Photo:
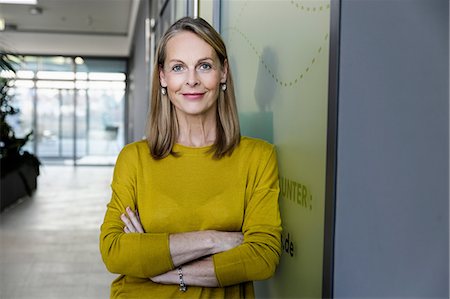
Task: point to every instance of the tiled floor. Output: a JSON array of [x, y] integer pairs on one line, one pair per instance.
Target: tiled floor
[[49, 243]]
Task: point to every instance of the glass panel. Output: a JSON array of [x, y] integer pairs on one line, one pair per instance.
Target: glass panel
[[102, 65], [106, 122], [67, 123], [280, 67], [29, 63], [55, 63], [98, 126], [48, 128], [82, 124]]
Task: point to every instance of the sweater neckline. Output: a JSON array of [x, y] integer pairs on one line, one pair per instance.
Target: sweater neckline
[[191, 150]]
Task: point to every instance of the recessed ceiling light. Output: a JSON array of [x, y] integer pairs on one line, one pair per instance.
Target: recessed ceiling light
[[29, 2], [79, 60]]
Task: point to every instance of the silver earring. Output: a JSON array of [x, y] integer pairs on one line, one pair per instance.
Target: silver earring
[[224, 86], [163, 91]]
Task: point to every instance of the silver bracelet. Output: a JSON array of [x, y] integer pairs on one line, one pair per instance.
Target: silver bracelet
[[183, 286]]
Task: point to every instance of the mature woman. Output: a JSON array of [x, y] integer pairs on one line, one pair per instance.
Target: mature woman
[[194, 209]]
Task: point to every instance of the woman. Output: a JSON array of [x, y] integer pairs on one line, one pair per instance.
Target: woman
[[194, 210]]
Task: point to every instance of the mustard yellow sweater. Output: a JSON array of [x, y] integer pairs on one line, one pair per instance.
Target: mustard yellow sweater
[[193, 192]]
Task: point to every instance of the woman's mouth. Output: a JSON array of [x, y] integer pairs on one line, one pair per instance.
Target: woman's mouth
[[193, 95]]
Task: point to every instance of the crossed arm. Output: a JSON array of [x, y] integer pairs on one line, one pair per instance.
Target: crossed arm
[[191, 250]]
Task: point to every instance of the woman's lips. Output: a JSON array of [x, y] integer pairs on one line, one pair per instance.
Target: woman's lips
[[194, 95]]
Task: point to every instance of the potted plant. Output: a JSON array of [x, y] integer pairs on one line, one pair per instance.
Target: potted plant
[[19, 168]]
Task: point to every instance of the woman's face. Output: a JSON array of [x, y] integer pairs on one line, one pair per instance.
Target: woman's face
[[192, 74]]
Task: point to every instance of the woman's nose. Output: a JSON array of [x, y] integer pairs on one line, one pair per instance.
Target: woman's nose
[[192, 78]]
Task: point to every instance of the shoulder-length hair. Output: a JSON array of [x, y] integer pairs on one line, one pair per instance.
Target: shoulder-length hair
[[162, 127]]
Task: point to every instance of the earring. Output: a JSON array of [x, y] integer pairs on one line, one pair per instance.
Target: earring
[[224, 86], [163, 91]]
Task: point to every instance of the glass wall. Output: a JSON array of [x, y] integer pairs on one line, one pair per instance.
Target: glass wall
[[74, 106], [280, 66]]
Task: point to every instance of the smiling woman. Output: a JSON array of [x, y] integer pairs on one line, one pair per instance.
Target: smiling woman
[[200, 71], [191, 76], [195, 207]]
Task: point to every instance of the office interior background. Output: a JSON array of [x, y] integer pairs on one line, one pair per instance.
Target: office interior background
[[353, 93]]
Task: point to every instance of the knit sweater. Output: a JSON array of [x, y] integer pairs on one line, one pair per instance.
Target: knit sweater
[[192, 192]]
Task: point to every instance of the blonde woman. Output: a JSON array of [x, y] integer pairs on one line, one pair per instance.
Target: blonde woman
[[194, 210]]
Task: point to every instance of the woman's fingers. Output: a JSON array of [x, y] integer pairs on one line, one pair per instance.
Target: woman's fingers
[[132, 222], [135, 220], [137, 216], [128, 224]]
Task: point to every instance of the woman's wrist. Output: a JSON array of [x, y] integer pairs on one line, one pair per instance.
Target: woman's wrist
[[190, 246], [223, 241], [198, 273], [213, 241], [183, 286]]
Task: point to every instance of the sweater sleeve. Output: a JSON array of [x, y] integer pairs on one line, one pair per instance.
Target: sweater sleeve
[[258, 256], [135, 254]]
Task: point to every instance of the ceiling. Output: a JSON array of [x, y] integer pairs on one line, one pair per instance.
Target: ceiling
[[70, 27]]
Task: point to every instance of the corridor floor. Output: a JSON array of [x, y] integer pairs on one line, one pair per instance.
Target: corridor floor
[[49, 242]]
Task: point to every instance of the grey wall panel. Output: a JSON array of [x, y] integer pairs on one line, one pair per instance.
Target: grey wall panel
[[393, 145], [138, 99]]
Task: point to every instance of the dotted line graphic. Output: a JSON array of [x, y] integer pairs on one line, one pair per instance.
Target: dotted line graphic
[[241, 12], [308, 8], [238, 17], [274, 76]]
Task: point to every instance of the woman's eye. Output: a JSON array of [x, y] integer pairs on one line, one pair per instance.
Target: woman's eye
[[177, 68], [205, 66]]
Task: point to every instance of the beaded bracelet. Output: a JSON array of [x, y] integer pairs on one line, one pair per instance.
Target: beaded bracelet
[[183, 286]]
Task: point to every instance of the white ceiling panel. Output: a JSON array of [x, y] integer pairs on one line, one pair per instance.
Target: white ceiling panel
[[65, 27]]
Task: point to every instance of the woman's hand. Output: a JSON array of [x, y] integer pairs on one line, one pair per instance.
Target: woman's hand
[[132, 222]]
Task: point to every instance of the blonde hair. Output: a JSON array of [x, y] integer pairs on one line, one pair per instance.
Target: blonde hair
[[162, 130]]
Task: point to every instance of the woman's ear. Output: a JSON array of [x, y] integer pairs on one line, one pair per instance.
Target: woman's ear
[[223, 76], [162, 77]]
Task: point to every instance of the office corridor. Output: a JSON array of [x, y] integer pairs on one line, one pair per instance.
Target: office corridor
[[49, 243]]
